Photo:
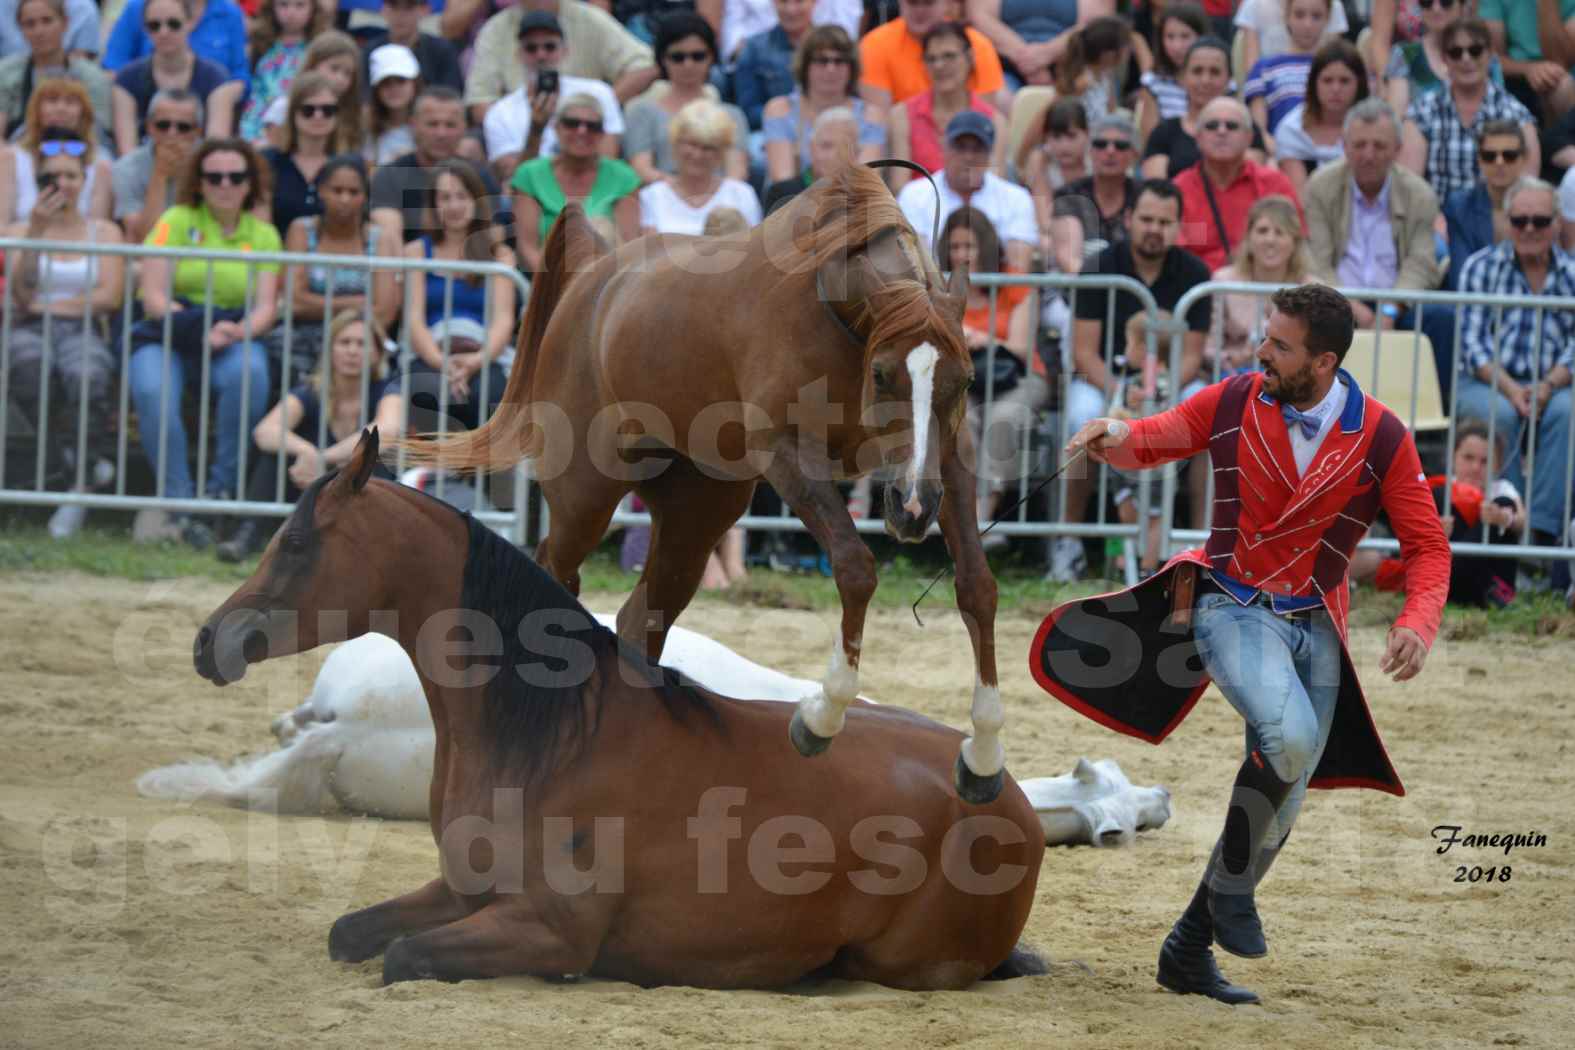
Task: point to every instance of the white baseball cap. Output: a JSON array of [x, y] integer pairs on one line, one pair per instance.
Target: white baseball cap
[[393, 60]]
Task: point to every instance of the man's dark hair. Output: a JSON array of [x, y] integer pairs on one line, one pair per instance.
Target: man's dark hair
[[1164, 189], [1326, 313], [437, 93]]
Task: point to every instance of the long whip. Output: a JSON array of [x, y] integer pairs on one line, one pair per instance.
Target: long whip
[[1000, 517]]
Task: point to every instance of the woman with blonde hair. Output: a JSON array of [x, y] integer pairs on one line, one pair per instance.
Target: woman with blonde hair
[[312, 134], [59, 119], [316, 424], [1274, 251], [702, 134]]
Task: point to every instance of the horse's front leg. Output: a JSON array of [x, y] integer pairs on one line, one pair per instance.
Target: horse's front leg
[[981, 767], [362, 934], [819, 504]]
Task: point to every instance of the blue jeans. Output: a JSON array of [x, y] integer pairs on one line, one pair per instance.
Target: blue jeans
[[1550, 488], [155, 391], [1281, 674]]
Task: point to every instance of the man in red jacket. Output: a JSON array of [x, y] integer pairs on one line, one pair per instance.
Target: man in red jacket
[[1303, 461]]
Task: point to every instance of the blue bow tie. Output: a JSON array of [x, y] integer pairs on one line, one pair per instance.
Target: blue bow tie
[[1308, 422]]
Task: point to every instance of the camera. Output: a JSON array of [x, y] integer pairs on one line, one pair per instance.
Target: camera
[[47, 179], [547, 82]]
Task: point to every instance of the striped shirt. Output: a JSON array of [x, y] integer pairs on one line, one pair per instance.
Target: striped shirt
[[1451, 146], [1281, 81], [1508, 335], [1171, 96]]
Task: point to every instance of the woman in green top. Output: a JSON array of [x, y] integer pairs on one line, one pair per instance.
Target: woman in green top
[[223, 182], [604, 186]]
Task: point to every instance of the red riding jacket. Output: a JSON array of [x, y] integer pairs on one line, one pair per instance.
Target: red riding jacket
[[1286, 535]]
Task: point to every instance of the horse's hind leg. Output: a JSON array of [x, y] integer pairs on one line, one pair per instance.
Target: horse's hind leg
[[502, 939], [581, 501], [820, 506], [690, 513], [362, 934]]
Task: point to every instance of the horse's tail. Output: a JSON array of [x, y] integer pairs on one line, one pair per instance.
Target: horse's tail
[[1022, 962], [292, 780], [509, 436]]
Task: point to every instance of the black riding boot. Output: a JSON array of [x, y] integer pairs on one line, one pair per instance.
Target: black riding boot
[[1186, 963], [1257, 796]]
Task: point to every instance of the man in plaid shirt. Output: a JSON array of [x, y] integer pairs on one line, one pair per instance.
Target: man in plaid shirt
[[1442, 126], [1511, 374]]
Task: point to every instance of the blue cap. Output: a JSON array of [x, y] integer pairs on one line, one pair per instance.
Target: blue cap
[[971, 122]]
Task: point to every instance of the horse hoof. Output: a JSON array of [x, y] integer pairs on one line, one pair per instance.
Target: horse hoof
[[808, 742], [973, 788], [344, 945]]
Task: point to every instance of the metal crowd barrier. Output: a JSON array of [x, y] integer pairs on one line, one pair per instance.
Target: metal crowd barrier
[[1039, 455], [202, 502]]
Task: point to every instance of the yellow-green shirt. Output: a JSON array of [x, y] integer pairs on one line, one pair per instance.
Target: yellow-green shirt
[[186, 226]]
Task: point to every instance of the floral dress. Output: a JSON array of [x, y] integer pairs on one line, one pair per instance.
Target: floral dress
[[270, 80]]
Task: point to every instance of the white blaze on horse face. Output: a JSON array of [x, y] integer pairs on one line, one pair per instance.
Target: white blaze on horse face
[[921, 369], [983, 752], [825, 710]]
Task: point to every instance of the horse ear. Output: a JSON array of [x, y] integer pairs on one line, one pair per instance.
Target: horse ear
[[363, 459]]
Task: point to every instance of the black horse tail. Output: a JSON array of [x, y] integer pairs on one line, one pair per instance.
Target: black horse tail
[[1022, 962]]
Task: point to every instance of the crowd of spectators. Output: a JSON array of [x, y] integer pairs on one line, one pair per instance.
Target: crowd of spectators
[[1391, 144]]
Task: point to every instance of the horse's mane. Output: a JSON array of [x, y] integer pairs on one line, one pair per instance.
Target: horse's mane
[[852, 209], [535, 712]]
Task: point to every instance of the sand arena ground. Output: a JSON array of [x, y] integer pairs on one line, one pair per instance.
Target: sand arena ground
[[133, 923]]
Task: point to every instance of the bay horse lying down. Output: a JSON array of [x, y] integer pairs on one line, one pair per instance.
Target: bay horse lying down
[[816, 348], [566, 763], [361, 742]]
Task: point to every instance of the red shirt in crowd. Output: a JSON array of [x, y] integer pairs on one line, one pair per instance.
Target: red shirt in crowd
[[1200, 233]]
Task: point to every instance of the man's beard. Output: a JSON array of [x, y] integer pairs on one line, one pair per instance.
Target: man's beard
[[1141, 248], [1294, 389]]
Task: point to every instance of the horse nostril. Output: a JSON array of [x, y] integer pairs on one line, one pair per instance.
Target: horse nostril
[[255, 647], [204, 638]]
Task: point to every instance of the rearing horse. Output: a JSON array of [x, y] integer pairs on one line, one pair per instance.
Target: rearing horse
[[818, 347]]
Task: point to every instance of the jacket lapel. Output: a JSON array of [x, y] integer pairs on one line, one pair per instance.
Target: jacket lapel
[[1268, 433]]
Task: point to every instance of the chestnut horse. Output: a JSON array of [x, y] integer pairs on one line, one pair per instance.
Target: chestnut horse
[[556, 855], [816, 348]]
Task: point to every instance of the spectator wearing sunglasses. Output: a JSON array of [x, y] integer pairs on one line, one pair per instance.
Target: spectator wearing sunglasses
[[60, 301], [765, 60], [1442, 128], [1418, 67], [519, 126], [599, 49], [47, 56], [1088, 215], [217, 30], [311, 135], [1475, 217], [1534, 42], [223, 186], [53, 129], [580, 171], [685, 52], [1516, 361], [826, 68], [173, 63], [146, 179], [1220, 189]]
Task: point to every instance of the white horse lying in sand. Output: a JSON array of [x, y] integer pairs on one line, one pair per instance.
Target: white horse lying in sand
[[362, 743]]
